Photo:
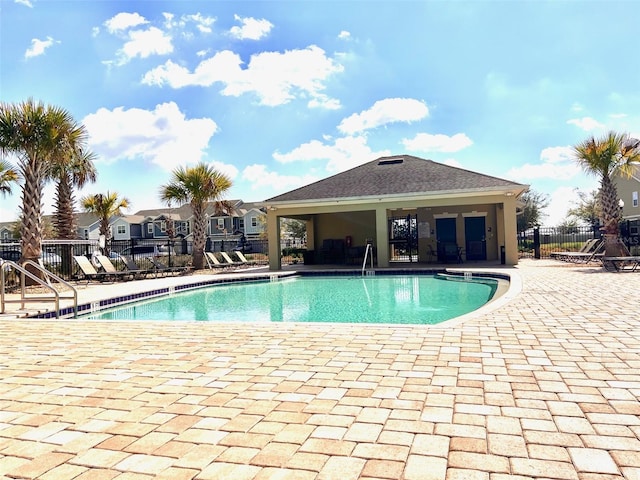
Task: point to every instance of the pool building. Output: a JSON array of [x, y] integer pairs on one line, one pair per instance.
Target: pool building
[[407, 208]]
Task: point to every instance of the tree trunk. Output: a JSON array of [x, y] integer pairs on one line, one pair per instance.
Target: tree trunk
[[199, 236], [31, 230], [614, 246]]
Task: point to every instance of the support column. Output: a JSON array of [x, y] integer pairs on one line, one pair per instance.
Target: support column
[[510, 231], [273, 234], [382, 237]]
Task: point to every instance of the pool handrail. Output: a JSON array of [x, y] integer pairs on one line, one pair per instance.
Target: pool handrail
[[5, 265], [364, 261]]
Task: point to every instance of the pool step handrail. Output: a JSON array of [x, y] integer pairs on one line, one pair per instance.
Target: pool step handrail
[[7, 265], [367, 254]]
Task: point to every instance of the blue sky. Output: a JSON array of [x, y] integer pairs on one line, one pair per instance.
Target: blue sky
[[278, 94]]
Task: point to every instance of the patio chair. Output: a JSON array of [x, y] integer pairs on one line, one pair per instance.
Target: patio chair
[[244, 259], [133, 268], [110, 269], [594, 250], [212, 260], [586, 248], [621, 264], [160, 267], [228, 259], [88, 270]]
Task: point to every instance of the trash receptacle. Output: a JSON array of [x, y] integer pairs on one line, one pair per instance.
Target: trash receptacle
[[503, 255]]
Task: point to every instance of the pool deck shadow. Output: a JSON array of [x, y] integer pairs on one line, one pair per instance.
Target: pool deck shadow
[[545, 385]]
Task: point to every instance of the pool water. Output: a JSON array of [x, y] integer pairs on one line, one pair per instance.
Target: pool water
[[395, 299]]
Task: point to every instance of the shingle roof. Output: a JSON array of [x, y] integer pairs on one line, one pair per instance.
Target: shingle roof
[[396, 175]]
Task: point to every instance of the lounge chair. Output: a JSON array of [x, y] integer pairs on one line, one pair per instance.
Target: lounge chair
[[592, 249], [110, 269], [621, 264], [160, 267], [133, 268], [212, 260], [88, 270], [243, 259], [228, 259]]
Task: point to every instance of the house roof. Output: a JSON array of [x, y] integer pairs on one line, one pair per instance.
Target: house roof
[[183, 212], [399, 175]]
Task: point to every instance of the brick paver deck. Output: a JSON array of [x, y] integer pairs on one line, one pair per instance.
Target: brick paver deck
[[546, 386]]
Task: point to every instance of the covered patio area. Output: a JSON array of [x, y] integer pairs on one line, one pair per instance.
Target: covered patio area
[[406, 209]]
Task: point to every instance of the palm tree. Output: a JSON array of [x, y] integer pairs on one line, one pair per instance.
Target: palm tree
[[614, 154], [7, 176], [105, 206], [74, 171], [37, 135], [198, 186]]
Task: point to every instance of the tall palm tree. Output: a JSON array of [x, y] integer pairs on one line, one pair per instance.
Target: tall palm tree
[[36, 135], [75, 171], [7, 176], [105, 206], [198, 186], [614, 154]]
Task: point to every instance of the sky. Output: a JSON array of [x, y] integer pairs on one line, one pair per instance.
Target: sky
[[278, 94]]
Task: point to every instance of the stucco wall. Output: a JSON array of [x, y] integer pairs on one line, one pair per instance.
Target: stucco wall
[[359, 225], [428, 233]]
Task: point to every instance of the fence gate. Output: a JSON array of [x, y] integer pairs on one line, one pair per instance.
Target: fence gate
[[403, 238]]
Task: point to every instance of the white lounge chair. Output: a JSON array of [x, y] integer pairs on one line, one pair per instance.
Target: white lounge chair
[[228, 259], [212, 260]]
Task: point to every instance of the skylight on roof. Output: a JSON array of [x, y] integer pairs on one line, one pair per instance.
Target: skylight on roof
[[391, 161]]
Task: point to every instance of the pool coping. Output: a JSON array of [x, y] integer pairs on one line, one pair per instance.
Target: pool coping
[[509, 285]]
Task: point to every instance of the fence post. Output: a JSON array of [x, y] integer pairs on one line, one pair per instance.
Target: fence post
[[536, 243]]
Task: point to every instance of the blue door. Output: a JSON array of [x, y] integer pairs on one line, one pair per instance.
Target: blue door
[[475, 238], [446, 239]]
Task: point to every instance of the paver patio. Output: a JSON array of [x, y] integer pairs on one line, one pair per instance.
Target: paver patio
[[544, 386]]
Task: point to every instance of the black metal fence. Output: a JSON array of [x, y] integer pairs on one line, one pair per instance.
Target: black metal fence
[[57, 255], [542, 241]]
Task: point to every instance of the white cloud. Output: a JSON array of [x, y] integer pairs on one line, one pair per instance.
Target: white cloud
[[203, 23], [452, 162], [124, 21], [276, 78], [425, 142], [26, 3], [557, 154], [560, 201], [553, 171], [344, 35], [259, 176], [162, 136], [389, 110], [557, 163], [251, 28], [38, 47], [144, 43], [344, 153], [586, 123]]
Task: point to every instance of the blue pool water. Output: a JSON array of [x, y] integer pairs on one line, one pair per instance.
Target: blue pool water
[[396, 299]]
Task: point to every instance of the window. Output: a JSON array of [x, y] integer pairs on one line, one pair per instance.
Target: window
[[150, 228], [163, 226], [220, 223], [634, 198], [121, 230], [254, 221]]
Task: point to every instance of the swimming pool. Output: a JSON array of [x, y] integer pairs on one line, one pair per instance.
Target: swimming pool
[[394, 299]]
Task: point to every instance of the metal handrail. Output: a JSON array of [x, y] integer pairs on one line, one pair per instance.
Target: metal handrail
[[364, 261], [6, 265]]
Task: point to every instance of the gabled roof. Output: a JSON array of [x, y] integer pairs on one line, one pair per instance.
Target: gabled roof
[[399, 175]]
